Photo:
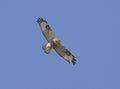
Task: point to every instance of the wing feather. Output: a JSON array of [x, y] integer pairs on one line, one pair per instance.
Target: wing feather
[[46, 29], [64, 53]]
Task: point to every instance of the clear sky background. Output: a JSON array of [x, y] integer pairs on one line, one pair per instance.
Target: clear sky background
[[88, 28]]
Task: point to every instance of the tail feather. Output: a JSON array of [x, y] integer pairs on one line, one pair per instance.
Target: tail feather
[[46, 48]]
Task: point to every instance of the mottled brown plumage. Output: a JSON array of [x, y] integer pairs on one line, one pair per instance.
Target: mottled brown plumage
[[53, 42]]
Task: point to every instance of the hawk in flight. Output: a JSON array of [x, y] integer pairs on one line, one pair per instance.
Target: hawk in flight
[[53, 42]]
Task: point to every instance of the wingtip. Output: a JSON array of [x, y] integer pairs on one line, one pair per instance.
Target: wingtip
[[74, 61], [40, 20]]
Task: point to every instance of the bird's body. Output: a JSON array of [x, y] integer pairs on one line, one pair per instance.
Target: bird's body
[[53, 42]]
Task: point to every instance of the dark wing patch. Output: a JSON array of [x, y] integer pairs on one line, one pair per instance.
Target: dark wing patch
[[64, 53], [48, 27], [40, 20], [68, 53]]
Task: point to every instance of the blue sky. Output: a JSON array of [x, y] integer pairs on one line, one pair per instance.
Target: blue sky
[[88, 28]]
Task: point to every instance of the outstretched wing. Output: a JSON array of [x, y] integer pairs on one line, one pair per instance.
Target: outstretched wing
[[46, 29], [64, 53]]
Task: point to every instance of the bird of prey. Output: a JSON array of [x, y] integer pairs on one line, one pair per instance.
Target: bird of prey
[[54, 43]]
